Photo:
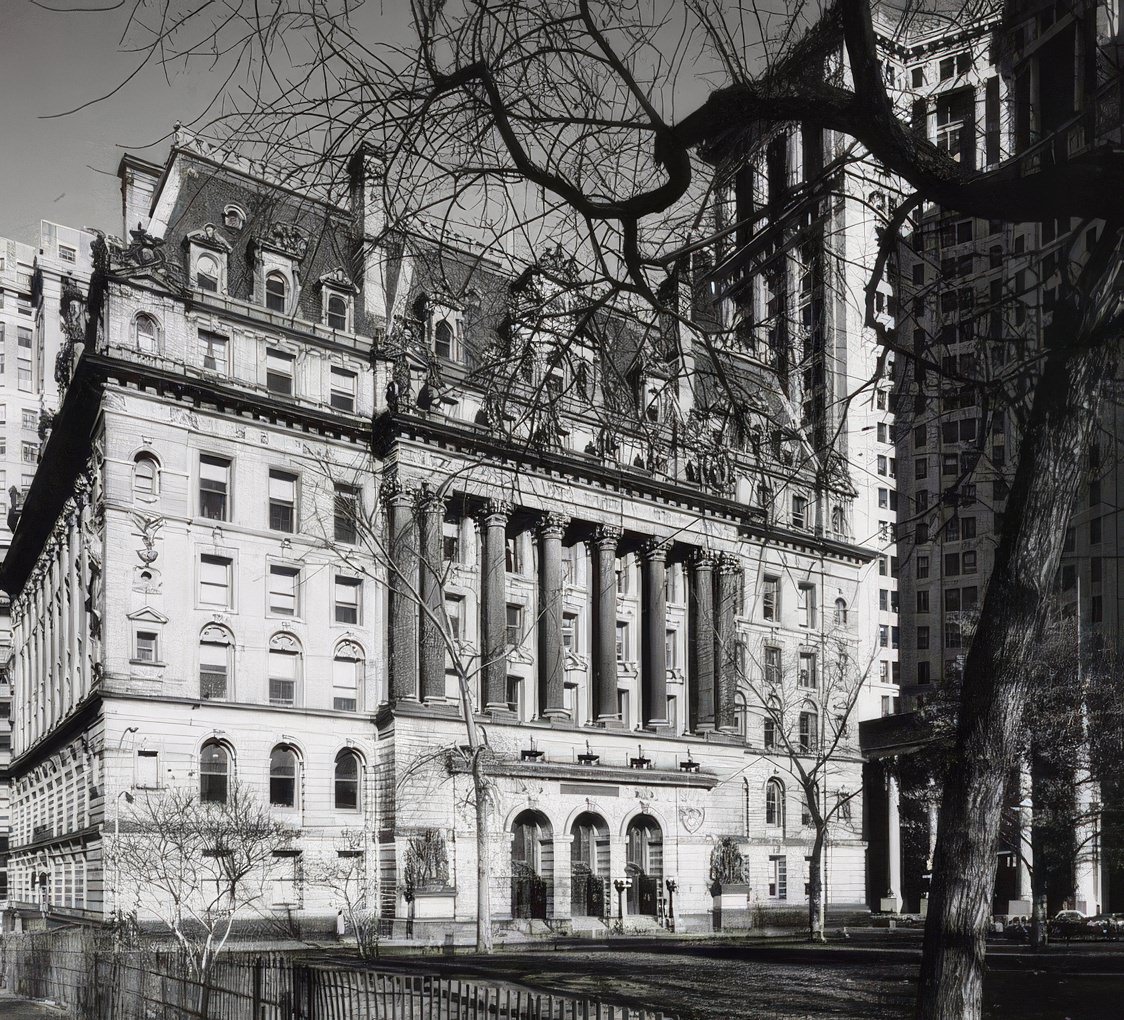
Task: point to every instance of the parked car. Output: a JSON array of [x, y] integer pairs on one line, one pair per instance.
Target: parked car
[[1107, 926], [1068, 924]]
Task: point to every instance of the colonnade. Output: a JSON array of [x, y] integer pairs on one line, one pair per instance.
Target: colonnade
[[415, 529]]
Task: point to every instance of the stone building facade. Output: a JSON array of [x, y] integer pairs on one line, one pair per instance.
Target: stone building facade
[[303, 496]]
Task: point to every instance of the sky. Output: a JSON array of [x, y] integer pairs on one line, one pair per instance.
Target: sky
[[64, 169]]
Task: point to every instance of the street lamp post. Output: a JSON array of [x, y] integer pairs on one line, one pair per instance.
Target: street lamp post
[[672, 886], [128, 795], [620, 885]]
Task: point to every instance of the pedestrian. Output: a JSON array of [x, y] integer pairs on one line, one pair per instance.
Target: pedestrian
[[340, 924]]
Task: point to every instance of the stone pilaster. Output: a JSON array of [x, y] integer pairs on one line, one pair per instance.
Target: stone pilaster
[[701, 662], [431, 646], [725, 644], [552, 676], [402, 586], [653, 595]]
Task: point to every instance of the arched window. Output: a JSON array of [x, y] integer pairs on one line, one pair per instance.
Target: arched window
[[840, 612], [347, 781], [146, 475], [347, 677], [214, 773], [337, 312], [283, 777], [216, 647], [147, 333], [284, 669], [207, 273], [276, 292], [772, 721], [774, 803], [809, 729], [443, 340]]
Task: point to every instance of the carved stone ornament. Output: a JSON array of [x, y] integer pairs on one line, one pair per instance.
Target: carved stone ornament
[[692, 818], [289, 238], [208, 237]]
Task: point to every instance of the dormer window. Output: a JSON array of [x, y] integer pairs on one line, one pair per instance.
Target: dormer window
[[233, 218], [336, 312], [207, 273], [276, 292], [444, 340]]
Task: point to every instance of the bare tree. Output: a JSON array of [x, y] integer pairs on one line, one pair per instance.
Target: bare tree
[[564, 119], [199, 867], [807, 716], [353, 883]]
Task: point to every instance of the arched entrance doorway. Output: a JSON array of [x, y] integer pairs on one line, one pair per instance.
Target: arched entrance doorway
[[589, 866], [644, 864], [532, 866]]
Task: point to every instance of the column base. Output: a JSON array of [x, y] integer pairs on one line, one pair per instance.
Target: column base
[[500, 712], [558, 715], [609, 722], [657, 725]]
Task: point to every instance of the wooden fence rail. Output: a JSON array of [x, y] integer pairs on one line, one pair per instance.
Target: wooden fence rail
[[81, 972]]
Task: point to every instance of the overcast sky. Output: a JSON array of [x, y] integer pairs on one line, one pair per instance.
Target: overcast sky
[[64, 169]]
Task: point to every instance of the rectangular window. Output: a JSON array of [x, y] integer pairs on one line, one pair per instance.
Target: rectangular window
[[920, 467], [951, 564], [513, 557], [23, 358], [806, 605], [146, 646], [1095, 531], [807, 674], [216, 352], [214, 487], [883, 636], [950, 464], [284, 588], [622, 641], [345, 684], [771, 599], [923, 601], [454, 610], [147, 769], [30, 452], [952, 600], [671, 649], [342, 396], [569, 633], [346, 513], [778, 878], [922, 566], [67, 254], [968, 562], [450, 542], [282, 679], [29, 420], [799, 511], [922, 638], [213, 669], [279, 372], [282, 501], [514, 625], [882, 465], [772, 665], [214, 581], [349, 599]]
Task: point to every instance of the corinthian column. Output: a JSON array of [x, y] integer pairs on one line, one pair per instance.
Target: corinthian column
[[725, 645], [402, 588], [431, 518], [702, 641], [603, 548], [493, 603], [552, 677], [653, 594]]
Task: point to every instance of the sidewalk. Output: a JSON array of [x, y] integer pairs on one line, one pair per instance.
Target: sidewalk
[[14, 1008]]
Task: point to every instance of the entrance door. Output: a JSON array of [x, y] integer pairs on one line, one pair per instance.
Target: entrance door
[[645, 864], [589, 865], [532, 866]]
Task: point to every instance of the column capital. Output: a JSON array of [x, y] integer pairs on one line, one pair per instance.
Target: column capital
[[728, 564], [429, 500], [493, 510], [606, 534], [552, 524], [702, 559], [395, 492], [655, 548]]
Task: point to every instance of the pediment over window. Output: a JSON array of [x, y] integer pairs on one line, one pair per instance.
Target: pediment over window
[[209, 237], [285, 238], [337, 279], [147, 615]]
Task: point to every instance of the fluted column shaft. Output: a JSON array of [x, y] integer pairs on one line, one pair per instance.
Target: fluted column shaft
[[493, 609], [552, 676], [702, 641], [725, 645], [402, 608], [604, 550], [653, 593], [431, 519]]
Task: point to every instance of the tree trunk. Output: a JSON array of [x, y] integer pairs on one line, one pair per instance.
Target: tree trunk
[[1052, 453], [483, 863], [815, 888]]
